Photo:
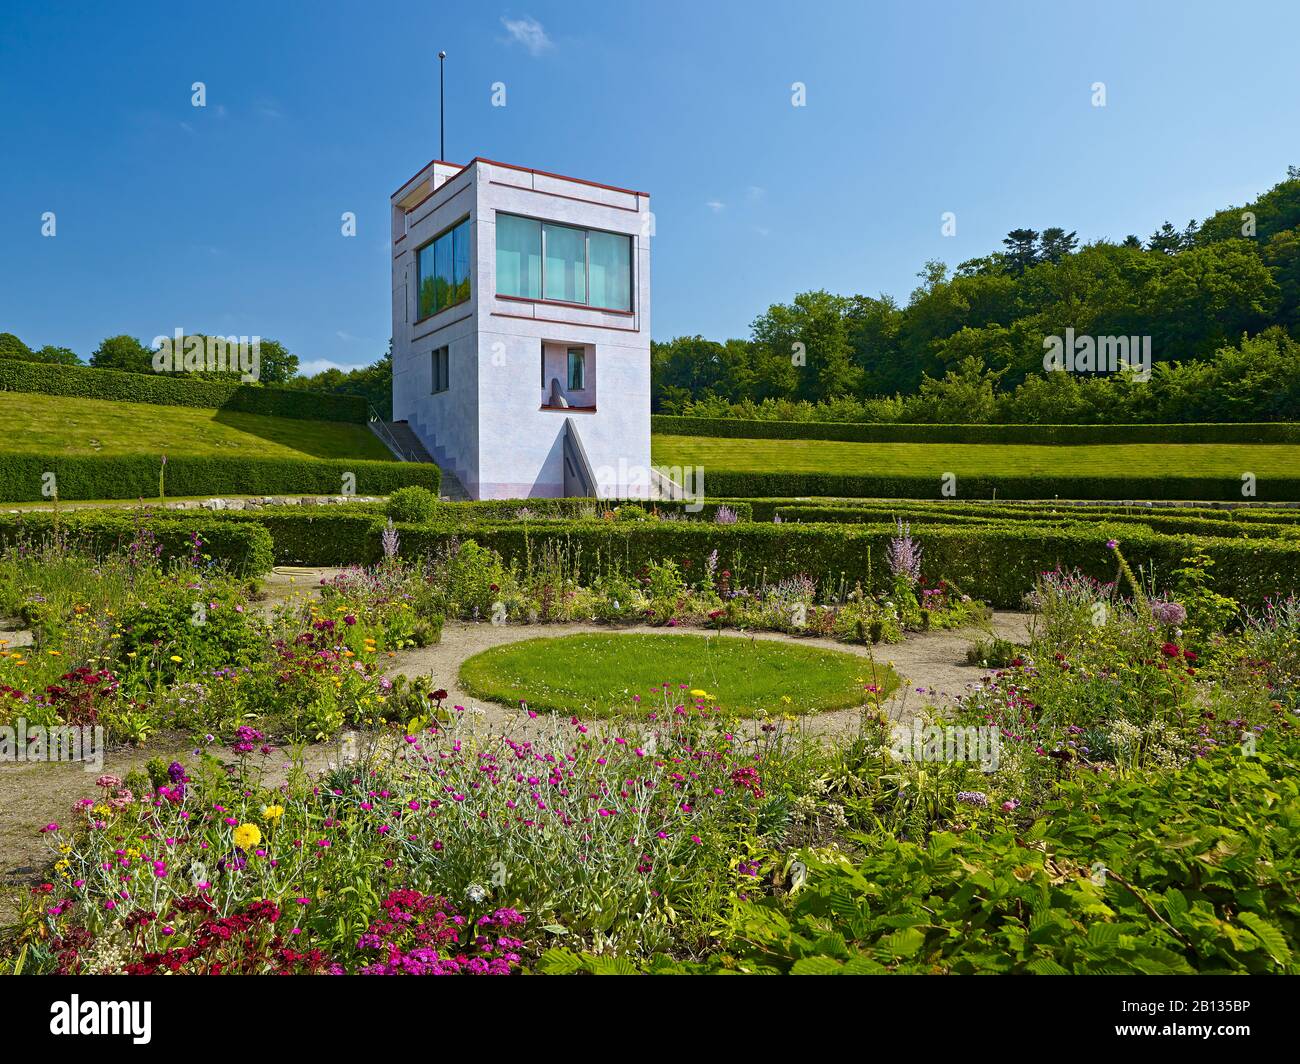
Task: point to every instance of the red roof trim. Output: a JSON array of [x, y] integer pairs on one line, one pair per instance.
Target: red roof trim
[[431, 162], [521, 169]]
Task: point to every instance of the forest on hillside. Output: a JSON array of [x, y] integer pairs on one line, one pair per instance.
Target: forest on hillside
[[1219, 300]]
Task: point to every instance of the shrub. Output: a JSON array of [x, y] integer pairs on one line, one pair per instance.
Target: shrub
[[88, 383], [1194, 880], [244, 547], [784, 484], [413, 505], [135, 476], [742, 428]]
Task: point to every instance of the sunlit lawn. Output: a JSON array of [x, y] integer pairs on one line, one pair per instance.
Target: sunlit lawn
[[59, 424], [598, 675], [934, 459]]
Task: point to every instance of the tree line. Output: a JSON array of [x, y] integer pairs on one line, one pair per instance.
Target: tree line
[[1220, 301]]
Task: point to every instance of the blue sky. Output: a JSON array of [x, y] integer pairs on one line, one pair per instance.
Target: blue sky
[[227, 218]]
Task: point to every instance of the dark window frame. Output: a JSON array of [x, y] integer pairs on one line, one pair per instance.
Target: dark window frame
[[440, 369], [469, 276]]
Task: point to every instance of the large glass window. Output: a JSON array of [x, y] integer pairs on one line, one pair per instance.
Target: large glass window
[[564, 272], [519, 256], [538, 260], [609, 271], [460, 263], [443, 269]]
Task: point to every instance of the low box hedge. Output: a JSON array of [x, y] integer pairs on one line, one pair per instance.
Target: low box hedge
[[848, 432], [135, 476], [728, 483], [85, 382], [246, 547], [998, 562]]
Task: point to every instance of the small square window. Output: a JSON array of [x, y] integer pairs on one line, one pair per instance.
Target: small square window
[[440, 370], [577, 369]]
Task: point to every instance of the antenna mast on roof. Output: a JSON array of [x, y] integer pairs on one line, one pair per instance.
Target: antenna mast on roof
[[442, 138]]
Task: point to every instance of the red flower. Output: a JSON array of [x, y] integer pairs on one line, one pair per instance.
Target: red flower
[[1169, 650]]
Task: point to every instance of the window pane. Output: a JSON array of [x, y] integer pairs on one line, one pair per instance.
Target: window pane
[[460, 262], [611, 270], [442, 272], [424, 268], [576, 368], [566, 264], [519, 257]]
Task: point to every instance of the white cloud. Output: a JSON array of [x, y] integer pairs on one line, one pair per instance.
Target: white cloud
[[312, 366], [528, 32], [715, 205]]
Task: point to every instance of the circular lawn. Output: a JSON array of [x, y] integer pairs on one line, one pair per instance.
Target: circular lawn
[[598, 675]]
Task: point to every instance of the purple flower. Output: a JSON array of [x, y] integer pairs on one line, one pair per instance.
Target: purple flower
[[904, 554]]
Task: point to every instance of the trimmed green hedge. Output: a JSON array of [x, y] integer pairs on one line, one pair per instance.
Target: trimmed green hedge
[[848, 432], [135, 476], [757, 485], [1169, 523], [997, 562], [245, 547], [86, 383]]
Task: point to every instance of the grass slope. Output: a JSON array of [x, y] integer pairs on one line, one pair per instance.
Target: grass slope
[[1170, 460], [597, 675], [57, 424]]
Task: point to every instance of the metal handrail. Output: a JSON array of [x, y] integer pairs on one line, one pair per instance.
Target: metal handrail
[[386, 434]]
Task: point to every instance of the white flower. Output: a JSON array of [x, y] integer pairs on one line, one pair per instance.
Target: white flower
[[476, 893]]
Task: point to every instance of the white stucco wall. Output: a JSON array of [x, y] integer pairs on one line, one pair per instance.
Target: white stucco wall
[[490, 426]]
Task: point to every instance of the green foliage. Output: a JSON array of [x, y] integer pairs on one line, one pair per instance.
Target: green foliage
[[245, 548], [1038, 434], [413, 505], [1109, 485], [995, 560], [1208, 612], [374, 383], [135, 476], [1205, 296], [145, 386], [1161, 873], [124, 353]]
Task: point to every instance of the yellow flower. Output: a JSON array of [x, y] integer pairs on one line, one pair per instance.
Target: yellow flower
[[247, 835], [272, 812], [698, 693], [175, 658]]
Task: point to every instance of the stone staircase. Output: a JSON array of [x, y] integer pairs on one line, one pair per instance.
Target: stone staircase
[[400, 438]]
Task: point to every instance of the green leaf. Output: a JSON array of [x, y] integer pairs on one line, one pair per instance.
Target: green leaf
[[816, 966], [1269, 935]]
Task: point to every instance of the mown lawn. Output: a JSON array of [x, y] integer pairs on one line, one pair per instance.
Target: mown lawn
[[1228, 460], [598, 675], [57, 424]]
